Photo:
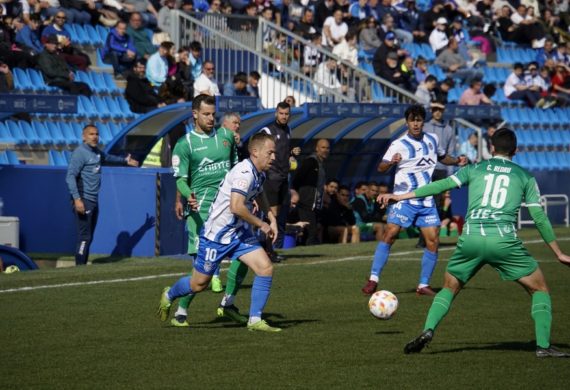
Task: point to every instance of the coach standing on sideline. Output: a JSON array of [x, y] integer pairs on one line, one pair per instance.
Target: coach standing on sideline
[[276, 185], [84, 182]]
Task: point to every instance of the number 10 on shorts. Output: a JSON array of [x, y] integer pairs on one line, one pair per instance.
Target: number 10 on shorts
[[211, 254]]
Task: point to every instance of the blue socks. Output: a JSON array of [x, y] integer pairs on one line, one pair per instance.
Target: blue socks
[[259, 295], [217, 272], [429, 260], [180, 289], [380, 260]]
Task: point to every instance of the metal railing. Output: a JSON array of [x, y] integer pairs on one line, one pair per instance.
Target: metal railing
[[243, 43], [546, 201]]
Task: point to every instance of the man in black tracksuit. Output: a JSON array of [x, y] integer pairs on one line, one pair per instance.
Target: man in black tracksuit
[[276, 187], [309, 182]]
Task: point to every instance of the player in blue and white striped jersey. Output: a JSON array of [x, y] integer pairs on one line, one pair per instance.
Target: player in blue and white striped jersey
[[228, 234], [415, 155]]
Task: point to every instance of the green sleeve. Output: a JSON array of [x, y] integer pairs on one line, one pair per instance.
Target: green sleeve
[[183, 187], [542, 223], [532, 193], [437, 187]]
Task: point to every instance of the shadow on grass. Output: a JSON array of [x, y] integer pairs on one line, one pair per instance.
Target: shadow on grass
[[388, 332], [273, 319], [529, 346]]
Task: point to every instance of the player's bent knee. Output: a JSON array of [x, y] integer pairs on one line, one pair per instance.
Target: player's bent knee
[[452, 283]]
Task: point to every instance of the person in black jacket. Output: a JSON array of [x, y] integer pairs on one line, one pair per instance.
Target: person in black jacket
[[339, 219], [309, 182], [368, 214], [139, 93], [276, 186]]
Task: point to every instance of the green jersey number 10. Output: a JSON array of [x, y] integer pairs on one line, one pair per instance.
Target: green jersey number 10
[[495, 190]]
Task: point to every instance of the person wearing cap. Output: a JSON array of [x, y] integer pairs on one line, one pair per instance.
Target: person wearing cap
[[438, 39], [57, 72], [389, 70]]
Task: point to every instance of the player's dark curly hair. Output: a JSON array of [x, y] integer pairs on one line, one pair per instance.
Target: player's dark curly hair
[[504, 141], [414, 111]]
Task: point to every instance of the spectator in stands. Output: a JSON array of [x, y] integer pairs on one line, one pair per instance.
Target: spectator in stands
[[442, 90], [486, 152], [76, 12], [139, 92], [409, 74], [195, 60], [172, 91], [311, 54], [527, 28], [537, 82], [119, 49], [157, 65], [368, 213], [290, 100], [455, 65], [331, 188], [438, 39], [469, 148], [253, 83], [84, 181], [446, 137], [305, 28], [146, 10], [421, 69], [424, 92], [57, 72], [6, 78], [339, 219], [323, 10], [326, 77], [347, 49], [27, 35], [309, 182], [516, 88], [448, 225], [369, 40], [238, 86], [334, 29], [473, 96], [388, 46], [74, 57], [164, 14], [183, 72], [548, 55], [431, 16], [389, 70], [206, 83], [560, 87], [268, 34], [139, 34], [360, 10], [410, 20]]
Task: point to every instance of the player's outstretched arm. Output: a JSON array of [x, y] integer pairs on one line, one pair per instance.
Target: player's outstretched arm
[[434, 188], [547, 233], [385, 165], [450, 160]]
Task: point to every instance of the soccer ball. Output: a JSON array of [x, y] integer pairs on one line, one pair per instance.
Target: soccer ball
[[383, 304]]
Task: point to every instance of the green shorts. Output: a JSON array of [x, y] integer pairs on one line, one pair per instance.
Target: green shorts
[[367, 227], [506, 254], [194, 225]]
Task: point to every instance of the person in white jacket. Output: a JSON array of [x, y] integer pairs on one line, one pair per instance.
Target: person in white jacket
[[438, 39]]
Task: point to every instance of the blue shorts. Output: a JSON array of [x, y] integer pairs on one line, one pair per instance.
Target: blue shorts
[[211, 253], [405, 214]]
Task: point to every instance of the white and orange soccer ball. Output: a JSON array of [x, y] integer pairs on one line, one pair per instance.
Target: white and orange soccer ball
[[383, 304]]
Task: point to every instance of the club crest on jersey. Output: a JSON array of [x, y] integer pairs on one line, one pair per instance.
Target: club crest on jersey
[[208, 266], [425, 162], [430, 146], [226, 144]]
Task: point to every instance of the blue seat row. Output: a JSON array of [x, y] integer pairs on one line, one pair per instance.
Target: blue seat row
[[98, 82], [85, 34], [9, 157], [512, 55], [59, 158], [420, 49], [543, 138], [31, 80], [97, 107], [556, 117], [544, 161], [495, 75], [49, 133]]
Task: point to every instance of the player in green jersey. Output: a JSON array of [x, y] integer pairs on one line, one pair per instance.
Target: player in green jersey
[[201, 160], [497, 188]]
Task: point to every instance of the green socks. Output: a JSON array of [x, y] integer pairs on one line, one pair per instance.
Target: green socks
[[439, 308], [541, 312], [236, 275], [184, 302]]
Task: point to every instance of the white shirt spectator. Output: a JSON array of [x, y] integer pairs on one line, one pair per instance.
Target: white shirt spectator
[[346, 52], [438, 40], [204, 85], [338, 31], [326, 77], [536, 81], [510, 85], [311, 56]]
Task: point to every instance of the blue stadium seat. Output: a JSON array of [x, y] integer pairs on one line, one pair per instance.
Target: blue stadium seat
[[103, 110], [100, 62], [17, 133], [124, 107], [93, 35], [21, 80], [111, 86], [85, 78], [77, 130], [103, 32], [427, 52], [3, 158], [5, 135], [532, 161], [114, 128], [42, 132], [12, 157], [67, 156], [105, 135], [86, 108], [30, 133], [547, 138], [99, 82], [57, 159], [56, 133], [537, 138], [69, 134], [544, 164], [82, 36], [564, 159], [523, 139]]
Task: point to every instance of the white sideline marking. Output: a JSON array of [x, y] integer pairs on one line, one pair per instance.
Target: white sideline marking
[[139, 278]]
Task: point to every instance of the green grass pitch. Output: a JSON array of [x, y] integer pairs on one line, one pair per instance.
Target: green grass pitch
[[106, 335]]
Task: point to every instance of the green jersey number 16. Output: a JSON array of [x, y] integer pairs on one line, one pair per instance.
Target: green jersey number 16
[[495, 190]]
